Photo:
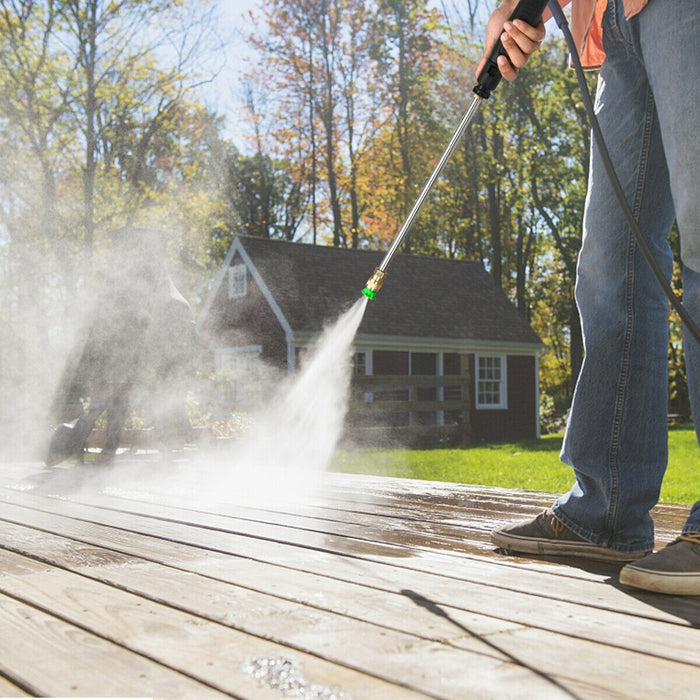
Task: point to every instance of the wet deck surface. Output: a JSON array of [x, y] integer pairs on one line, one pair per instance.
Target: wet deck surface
[[373, 588]]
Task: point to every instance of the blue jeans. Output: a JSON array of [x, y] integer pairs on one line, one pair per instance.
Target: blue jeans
[[617, 438]]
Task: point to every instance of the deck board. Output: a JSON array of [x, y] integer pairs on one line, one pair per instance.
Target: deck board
[[368, 588]]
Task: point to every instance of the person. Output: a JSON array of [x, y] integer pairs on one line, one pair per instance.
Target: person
[[170, 351], [137, 347], [102, 367], [616, 438]]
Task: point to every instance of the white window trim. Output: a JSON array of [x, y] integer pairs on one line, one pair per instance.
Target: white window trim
[[441, 389], [364, 362], [503, 404], [369, 371], [237, 281]]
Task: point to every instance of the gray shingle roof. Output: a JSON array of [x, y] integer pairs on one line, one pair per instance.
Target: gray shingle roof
[[422, 297]]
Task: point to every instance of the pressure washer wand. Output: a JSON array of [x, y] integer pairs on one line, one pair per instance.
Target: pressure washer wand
[[529, 11], [375, 281]]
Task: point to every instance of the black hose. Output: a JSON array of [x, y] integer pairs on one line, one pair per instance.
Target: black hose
[[563, 24]]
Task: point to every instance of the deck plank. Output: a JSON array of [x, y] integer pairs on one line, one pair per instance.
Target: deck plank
[[521, 607], [10, 690], [312, 628], [290, 547], [383, 588], [257, 614], [50, 657], [207, 651]]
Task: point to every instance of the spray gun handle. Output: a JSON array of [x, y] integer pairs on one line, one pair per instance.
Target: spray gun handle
[[530, 11]]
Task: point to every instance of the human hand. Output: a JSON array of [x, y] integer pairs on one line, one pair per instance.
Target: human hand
[[519, 39]]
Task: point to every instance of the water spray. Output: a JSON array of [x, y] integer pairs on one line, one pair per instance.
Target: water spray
[[530, 11]]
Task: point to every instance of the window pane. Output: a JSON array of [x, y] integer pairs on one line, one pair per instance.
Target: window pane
[[236, 281], [490, 382]]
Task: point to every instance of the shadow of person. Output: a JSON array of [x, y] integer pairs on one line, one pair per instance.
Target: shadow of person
[[685, 608]]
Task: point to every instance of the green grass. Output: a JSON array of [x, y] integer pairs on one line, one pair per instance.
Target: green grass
[[532, 465]]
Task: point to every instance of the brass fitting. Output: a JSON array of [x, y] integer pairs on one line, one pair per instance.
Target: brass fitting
[[374, 283]]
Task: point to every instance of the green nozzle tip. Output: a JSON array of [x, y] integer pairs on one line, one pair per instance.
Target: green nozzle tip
[[369, 293]]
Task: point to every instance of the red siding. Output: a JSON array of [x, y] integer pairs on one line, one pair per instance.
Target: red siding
[[392, 362], [519, 420]]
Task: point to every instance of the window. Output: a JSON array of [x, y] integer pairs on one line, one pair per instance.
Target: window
[[491, 381], [240, 371], [236, 281], [360, 364], [239, 361]]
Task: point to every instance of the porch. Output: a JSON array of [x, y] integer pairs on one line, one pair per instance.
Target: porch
[[370, 588]]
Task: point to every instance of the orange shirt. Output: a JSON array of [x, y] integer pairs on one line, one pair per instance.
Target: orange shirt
[[586, 18]]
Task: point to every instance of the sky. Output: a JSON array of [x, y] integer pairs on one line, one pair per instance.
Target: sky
[[224, 94]]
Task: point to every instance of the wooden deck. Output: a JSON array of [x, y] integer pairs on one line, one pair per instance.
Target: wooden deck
[[373, 588]]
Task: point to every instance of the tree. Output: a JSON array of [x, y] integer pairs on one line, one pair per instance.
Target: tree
[[357, 110], [37, 256], [407, 55], [83, 89], [314, 56], [36, 92], [558, 172], [98, 131], [474, 9], [128, 106], [363, 73], [260, 198], [288, 49]]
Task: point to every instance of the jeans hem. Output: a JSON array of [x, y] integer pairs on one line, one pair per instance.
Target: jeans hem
[[598, 540]]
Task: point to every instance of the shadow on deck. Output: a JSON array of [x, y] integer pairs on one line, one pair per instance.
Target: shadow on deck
[[139, 581]]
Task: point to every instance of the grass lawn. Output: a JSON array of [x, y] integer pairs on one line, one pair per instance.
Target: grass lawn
[[532, 464]]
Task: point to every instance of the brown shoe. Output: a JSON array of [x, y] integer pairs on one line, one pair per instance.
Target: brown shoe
[[545, 535], [675, 569]]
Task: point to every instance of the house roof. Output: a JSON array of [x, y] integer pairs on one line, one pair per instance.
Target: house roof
[[422, 297]]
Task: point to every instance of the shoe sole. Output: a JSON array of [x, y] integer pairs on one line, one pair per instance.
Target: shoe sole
[[558, 548], [661, 582]]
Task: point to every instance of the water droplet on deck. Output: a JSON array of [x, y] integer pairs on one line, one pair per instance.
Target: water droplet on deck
[[285, 675]]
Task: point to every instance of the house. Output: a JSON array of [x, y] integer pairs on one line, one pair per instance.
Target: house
[[441, 353]]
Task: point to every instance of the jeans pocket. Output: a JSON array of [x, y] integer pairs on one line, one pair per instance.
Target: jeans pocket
[[613, 30]]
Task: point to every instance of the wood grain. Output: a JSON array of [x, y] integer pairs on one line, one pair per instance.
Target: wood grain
[[372, 588]]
